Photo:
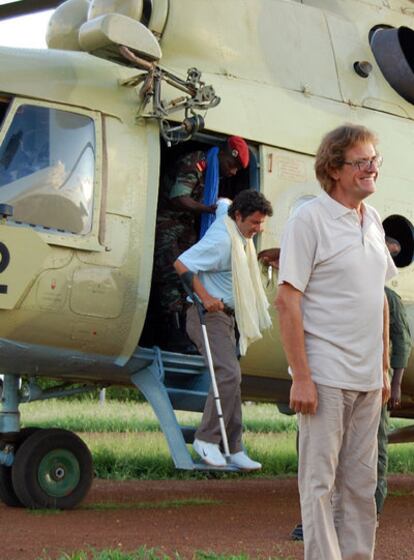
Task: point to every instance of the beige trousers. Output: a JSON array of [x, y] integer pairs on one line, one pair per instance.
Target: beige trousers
[[222, 340], [338, 474]]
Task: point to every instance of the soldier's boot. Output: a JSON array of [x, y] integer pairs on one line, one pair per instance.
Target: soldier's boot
[[176, 339]]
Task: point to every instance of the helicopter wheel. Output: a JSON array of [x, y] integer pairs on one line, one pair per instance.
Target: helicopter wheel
[[7, 493], [52, 469]]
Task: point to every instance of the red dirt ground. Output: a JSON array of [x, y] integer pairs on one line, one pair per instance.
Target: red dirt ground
[[251, 516]]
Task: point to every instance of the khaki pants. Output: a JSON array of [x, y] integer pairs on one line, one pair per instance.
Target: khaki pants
[[337, 474], [221, 336]]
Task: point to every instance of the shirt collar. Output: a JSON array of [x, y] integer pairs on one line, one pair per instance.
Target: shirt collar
[[336, 209], [244, 240]]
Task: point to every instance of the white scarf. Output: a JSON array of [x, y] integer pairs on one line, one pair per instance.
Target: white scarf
[[250, 302]]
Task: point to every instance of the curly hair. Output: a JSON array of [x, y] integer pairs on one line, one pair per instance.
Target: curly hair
[[248, 202], [331, 152]]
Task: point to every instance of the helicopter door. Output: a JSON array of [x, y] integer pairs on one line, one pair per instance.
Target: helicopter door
[[288, 180]]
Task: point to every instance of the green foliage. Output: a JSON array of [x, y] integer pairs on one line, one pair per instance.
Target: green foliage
[[144, 553], [123, 394]]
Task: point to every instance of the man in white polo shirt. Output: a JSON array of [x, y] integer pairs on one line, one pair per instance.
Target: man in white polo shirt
[[334, 326]]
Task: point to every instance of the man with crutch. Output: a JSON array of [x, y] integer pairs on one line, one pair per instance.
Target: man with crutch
[[223, 272]]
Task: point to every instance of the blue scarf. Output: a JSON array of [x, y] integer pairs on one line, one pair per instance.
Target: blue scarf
[[211, 185]]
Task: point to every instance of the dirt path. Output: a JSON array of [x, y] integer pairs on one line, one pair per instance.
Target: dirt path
[[247, 516]]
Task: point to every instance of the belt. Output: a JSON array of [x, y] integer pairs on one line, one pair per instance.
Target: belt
[[228, 310]]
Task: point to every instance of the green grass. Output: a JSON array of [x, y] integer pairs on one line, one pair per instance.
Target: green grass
[[399, 493], [126, 441], [401, 458], [113, 416], [110, 506], [146, 455], [107, 506], [145, 553]]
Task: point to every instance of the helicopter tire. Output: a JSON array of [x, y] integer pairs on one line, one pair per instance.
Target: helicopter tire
[[52, 470], [7, 493]]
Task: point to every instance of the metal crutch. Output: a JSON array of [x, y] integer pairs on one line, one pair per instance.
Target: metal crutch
[[201, 313]]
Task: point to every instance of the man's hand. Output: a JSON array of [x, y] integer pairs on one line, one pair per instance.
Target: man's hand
[[209, 302], [211, 209], [270, 257], [188, 203], [304, 396], [386, 388], [212, 304], [395, 400]]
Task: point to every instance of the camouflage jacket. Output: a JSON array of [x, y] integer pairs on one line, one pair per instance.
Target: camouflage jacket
[[185, 179], [400, 336]]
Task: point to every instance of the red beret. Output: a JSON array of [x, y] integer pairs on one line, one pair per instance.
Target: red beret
[[239, 150]]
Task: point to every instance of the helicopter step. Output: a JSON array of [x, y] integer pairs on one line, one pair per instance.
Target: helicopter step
[[185, 377], [52, 468], [175, 382]]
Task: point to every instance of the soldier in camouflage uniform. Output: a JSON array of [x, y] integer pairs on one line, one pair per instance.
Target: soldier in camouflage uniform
[[179, 206], [400, 340]]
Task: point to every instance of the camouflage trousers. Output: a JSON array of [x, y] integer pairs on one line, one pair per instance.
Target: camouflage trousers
[[382, 467], [171, 240]]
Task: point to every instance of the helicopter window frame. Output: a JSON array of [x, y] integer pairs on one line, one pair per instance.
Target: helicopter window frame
[[5, 102], [90, 240], [401, 228]]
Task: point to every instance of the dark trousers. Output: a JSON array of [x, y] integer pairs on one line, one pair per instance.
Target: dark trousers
[[222, 340]]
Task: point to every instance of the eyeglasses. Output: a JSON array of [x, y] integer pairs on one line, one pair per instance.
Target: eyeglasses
[[365, 164]]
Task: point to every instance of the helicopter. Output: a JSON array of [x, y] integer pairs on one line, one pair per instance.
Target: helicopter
[[87, 129]]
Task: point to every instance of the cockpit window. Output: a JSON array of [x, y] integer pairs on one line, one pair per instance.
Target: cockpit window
[[47, 162]]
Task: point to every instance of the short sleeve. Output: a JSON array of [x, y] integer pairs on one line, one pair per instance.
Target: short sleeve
[[297, 254], [184, 185], [211, 253], [391, 268], [189, 175]]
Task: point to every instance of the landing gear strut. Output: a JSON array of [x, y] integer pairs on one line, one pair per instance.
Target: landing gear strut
[[40, 468]]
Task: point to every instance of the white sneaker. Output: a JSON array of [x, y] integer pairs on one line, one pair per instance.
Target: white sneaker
[[243, 462], [210, 453]]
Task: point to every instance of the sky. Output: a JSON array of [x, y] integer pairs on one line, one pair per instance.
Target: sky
[[25, 31]]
